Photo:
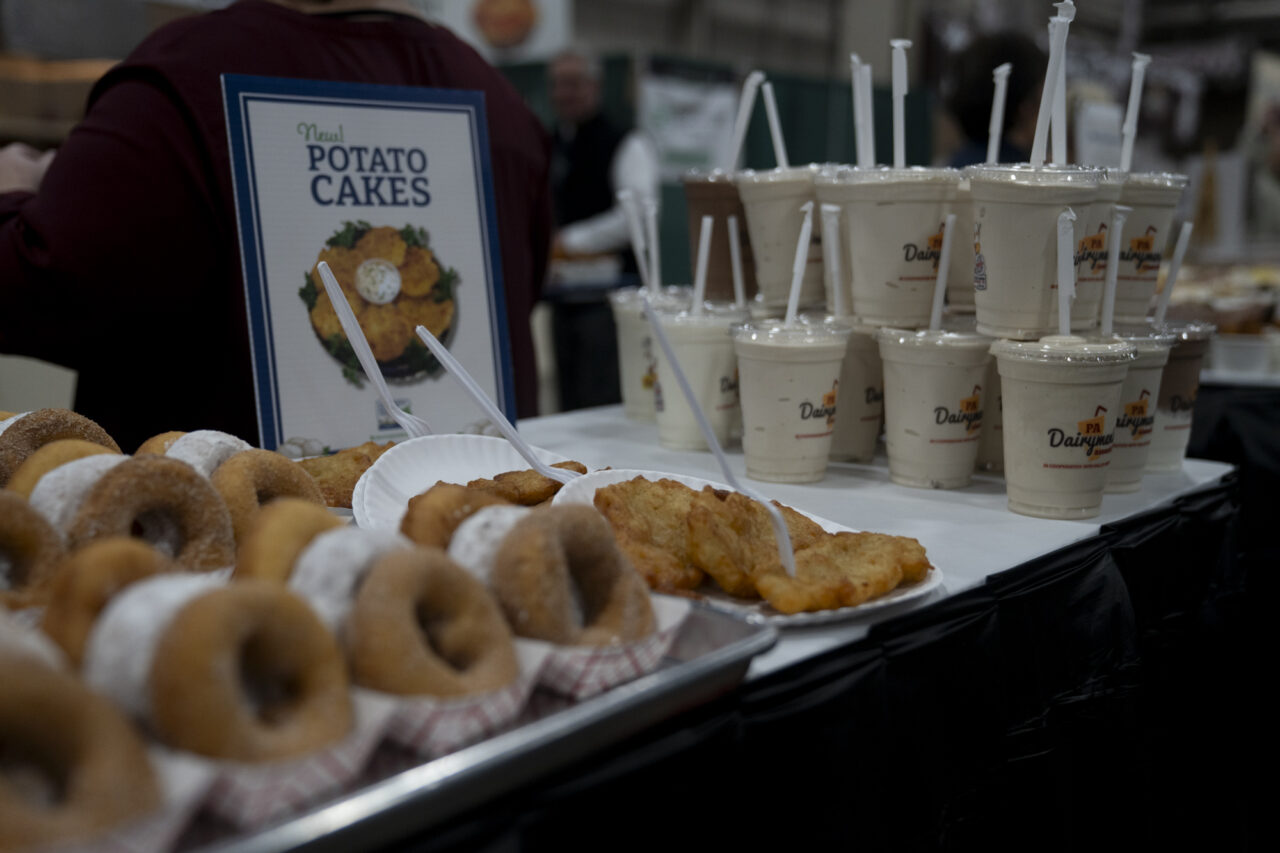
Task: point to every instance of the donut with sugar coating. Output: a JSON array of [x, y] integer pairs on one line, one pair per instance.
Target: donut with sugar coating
[[251, 478], [32, 431], [30, 547], [47, 458], [277, 535], [160, 444], [432, 516]]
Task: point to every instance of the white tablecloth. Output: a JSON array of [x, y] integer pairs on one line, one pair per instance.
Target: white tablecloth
[[968, 533]]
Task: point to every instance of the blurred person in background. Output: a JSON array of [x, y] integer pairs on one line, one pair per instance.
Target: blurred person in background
[[120, 257], [970, 93]]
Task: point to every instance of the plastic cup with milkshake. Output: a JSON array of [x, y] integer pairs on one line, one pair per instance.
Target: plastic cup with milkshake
[[1015, 270], [1061, 395], [637, 356], [1093, 251], [715, 194], [1154, 197], [1136, 416], [772, 200], [702, 344], [1179, 386]]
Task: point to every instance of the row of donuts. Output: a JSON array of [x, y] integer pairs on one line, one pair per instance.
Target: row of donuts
[[191, 495]]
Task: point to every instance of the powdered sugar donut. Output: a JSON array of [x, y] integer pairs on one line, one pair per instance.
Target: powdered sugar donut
[[52, 455], [476, 541], [244, 671], [58, 494], [21, 435], [328, 572], [206, 449]]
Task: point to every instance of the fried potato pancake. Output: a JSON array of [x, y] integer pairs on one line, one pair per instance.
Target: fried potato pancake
[[336, 475], [525, 488], [731, 535], [842, 570], [648, 520]]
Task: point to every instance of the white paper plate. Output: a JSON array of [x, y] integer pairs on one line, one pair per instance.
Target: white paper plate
[[382, 493], [583, 490]]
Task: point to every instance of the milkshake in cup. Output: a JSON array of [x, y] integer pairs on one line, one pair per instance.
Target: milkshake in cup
[[702, 345], [715, 194], [1015, 226], [1093, 251], [933, 405], [1136, 417], [1179, 385], [772, 200], [830, 189], [788, 379], [960, 278], [1061, 394], [893, 222], [857, 430], [637, 362], [991, 445], [1153, 197]]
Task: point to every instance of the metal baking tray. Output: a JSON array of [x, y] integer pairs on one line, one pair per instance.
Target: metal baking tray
[[709, 658]]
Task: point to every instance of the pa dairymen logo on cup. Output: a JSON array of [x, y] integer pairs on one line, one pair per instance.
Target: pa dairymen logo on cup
[[826, 410], [968, 413], [1091, 254], [1091, 434], [1137, 416], [930, 253], [1142, 252]]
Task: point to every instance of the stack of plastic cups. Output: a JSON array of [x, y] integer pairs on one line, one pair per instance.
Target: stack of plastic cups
[[1154, 197], [1179, 385], [637, 354], [1015, 214], [1135, 419], [704, 348], [715, 194], [772, 200]]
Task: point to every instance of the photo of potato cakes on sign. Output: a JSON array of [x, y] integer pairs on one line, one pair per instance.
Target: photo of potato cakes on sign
[[393, 282]]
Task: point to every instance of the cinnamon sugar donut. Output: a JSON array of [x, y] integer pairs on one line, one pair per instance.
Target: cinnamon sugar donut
[[251, 478], [277, 535], [48, 457], [162, 501], [244, 672], [560, 577], [73, 765], [160, 444], [29, 549], [24, 434], [433, 515], [422, 625], [86, 581]]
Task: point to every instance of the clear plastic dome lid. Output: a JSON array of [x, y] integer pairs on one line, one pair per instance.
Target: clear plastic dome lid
[[1066, 349], [796, 334], [1025, 173]]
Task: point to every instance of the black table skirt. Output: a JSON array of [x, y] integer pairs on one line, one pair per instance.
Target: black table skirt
[[1104, 695]]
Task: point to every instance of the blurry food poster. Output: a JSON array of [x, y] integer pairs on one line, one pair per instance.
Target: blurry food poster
[[391, 187]]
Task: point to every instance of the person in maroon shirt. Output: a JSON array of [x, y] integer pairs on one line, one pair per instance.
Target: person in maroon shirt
[[122, 259]]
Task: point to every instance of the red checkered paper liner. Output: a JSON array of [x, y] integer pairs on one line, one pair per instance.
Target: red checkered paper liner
[[581, 672], [249, 796], [432, 727]]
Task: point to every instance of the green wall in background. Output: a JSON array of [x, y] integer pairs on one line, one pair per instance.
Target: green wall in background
[[816, 118]]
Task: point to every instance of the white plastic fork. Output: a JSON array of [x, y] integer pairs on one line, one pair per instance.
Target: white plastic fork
[[499, 420], [411, 424]]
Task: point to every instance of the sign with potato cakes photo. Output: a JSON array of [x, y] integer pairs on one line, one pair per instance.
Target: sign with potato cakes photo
[[391, 187]]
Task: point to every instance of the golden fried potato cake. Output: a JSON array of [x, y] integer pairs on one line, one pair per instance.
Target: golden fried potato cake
[[342, 263], [841, 570], [384, 242], [336, 475], [525, 488], [419, 272], [436, 316], [387, 330], [730, 535], [648, 520], [433, 515], [325, 320]]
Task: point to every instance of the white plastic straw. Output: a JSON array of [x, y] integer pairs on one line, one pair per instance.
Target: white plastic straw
[[746, 102], [1130, 128], [944, 263], [802, 260], [1066, 269], [735, 261], [655, 253], [780, 532], [867, 124], [1066, 14], [995, 130], [495, 414], [700, 271], [1057, 47], [1114, 242], [831, 259], [1175, 265], [775, 127], [855, 64], [627, 199], [899, 70]]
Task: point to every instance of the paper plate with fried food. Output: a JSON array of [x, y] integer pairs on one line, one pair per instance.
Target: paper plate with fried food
[[382, 493], [694, 537]]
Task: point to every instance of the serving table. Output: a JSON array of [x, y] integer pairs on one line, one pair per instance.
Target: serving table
[[1071, 684]]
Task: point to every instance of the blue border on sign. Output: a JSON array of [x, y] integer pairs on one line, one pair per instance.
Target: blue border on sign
[[238, 91]]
